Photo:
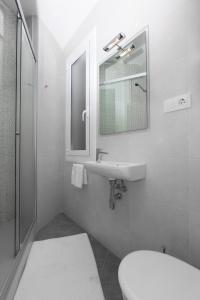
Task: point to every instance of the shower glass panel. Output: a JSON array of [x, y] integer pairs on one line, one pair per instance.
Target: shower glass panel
[[7, 139], [27, 142]]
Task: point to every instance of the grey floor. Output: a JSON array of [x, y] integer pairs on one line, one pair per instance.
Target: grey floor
[[107, 262]]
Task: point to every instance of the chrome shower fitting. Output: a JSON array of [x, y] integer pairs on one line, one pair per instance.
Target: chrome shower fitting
[[117, 188], [141, 87]]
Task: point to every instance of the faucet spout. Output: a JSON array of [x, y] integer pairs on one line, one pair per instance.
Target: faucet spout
[[99, 154]]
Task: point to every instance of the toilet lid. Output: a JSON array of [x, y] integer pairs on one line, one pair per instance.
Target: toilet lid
[[149, 275]]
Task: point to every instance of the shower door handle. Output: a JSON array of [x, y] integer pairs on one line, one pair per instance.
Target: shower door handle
[[17, 133]]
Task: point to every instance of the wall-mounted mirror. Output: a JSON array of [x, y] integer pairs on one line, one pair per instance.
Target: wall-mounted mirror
[[124, 88]]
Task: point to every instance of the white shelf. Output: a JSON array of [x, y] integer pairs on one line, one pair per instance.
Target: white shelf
[[138, 75]]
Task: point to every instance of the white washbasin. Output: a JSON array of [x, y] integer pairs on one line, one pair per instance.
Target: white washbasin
[[117, 170]]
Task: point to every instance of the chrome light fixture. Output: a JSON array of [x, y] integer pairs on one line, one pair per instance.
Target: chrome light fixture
[[114, 42], [125, 51]]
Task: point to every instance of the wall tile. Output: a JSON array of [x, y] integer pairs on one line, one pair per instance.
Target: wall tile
[[167, 181], [194, 238], [154, 211], [50, 127], [194, 184], [156, 225], [7, 113]]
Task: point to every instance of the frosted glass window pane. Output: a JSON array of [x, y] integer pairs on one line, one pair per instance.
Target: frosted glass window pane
[[78, 103]]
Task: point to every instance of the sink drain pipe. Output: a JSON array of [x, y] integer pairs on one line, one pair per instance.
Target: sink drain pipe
[[117, 188]]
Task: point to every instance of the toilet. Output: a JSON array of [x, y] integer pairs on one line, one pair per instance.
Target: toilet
[[150, 275]]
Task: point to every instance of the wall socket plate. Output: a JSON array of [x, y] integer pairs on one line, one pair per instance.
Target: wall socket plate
[[177, 103]]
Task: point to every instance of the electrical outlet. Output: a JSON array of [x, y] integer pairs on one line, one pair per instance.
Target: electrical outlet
[[177, 103]]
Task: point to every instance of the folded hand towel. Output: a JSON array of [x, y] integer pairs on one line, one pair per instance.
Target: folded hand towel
[[79, 176]]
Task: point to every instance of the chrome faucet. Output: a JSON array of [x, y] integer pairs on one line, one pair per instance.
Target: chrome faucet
[[99, 154]]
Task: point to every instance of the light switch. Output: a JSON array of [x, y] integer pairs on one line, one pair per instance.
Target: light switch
[[177, 103]]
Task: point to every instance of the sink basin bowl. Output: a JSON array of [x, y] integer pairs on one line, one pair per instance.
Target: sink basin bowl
[[117, 170]]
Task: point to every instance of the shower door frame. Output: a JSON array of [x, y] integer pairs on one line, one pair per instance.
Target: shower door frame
[[21, 22], [11, 281]]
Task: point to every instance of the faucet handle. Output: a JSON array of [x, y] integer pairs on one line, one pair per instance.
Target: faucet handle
[[100, 150]]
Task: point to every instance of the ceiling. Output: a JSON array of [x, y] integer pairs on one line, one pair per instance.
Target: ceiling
[[61, 17]]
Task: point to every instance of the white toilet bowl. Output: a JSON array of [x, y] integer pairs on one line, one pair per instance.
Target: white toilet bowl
[[149, 275]]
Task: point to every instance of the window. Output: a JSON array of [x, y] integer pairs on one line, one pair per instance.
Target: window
[[81, 101]]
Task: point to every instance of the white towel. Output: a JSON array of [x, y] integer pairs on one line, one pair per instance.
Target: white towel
[[79, 176]]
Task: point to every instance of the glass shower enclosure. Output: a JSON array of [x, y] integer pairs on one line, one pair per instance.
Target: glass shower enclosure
[[17, 136]]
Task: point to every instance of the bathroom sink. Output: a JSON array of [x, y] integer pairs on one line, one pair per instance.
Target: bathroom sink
[[117, 170]]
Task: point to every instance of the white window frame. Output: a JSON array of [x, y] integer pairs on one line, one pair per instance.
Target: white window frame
[[88, 46]]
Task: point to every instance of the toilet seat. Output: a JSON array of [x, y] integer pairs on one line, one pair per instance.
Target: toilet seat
[[149, 275]]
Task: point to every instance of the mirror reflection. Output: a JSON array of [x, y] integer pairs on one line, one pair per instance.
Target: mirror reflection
[[123, 89]]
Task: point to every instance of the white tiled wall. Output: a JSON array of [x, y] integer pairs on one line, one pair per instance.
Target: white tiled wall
[[50, 127], [7, 113], [165, 208]]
